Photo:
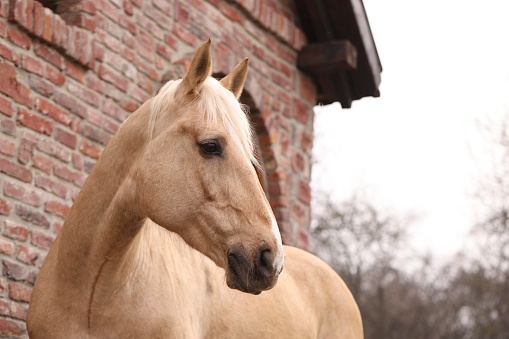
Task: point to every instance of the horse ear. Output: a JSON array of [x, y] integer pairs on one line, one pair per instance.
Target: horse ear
[[235, 80], [200, 68]]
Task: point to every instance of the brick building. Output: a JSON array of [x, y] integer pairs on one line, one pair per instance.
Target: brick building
[[72, 70]]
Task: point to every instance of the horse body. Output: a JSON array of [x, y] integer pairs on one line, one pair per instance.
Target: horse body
[[144, 250]]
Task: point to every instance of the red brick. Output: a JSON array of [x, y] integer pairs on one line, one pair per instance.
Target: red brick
[[77, 161], [164, 6], [298, 162], [5, 308], [15, 170], [52, 111], [304, 192], [137, 3], [95, 134], [65, 37], [280, 175], [79, 20], [9, 54], [139, 95], [146, 46], [71, 104], [49, 55], [33, 216], [12, 328], [215, 3], [279, 201], [95, 117], [299, 212], [19, 311], [171, 42], [67, 174], [40, 86], [8, 127], [182, 14], [19, 38], [95, 84], [7, 147], [75, 71], [25, 150], [111, 126], [58, 27], [83, 94], [57, 208], [42, 240], [54, 75], [57, 226], [130, 106], [131, 27], [51, 186], [301, 111], [108, 9], [66, 138], [32, 65], [6, 107], [88, 6], [306, 141], [144, 68], [6, 247], [16, 232], [92, 151], [54, 149], [27, 255], [198, 4], [184, 35], [14, 271], [114, 78], [145, 84], [29, 14], [32, 276], [113, 110], [11, 87], [16, 11], [19, 192], [128, 8], [19, 292], [38, 18], [5, 207], [3, 29], [231, 13], [48, 24], [34, 122], [164, 51]]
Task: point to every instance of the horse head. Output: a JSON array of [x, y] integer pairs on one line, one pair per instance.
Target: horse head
[[197, 175]]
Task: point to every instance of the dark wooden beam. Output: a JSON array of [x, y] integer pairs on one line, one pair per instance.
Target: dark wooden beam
[[326, 57]]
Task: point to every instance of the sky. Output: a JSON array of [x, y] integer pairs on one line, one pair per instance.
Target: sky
[[417, 149]]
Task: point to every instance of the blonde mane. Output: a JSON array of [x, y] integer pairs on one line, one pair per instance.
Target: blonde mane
[[218, 106]]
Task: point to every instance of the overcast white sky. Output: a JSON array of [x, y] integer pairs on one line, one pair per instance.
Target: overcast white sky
[[445, 66]]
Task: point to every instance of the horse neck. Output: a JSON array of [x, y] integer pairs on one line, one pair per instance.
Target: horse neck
[[102, 220]]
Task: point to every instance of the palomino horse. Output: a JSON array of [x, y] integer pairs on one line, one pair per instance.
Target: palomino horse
[[172, 210]]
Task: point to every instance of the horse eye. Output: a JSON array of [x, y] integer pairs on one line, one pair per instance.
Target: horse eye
[[210, 148]]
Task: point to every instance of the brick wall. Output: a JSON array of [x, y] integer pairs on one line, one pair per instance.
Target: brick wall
[[68, 80]]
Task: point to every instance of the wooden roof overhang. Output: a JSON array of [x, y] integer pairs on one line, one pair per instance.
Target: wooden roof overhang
[[341, 55]]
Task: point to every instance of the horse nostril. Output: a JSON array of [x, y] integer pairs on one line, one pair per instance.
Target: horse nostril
[[266, 260]]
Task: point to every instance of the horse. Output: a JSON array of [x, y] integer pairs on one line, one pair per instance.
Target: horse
[[172, 236]]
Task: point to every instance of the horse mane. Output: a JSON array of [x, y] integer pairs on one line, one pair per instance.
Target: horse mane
[[218, 106]]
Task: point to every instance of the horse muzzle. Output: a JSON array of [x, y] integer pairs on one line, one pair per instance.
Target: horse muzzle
[[255, 275]]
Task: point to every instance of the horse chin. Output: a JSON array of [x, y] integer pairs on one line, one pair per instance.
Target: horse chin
[[243, 286]]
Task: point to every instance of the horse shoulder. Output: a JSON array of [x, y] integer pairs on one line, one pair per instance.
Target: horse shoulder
[[323, 290]]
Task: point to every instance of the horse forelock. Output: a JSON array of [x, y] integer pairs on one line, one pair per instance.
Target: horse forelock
[[218, 106]]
